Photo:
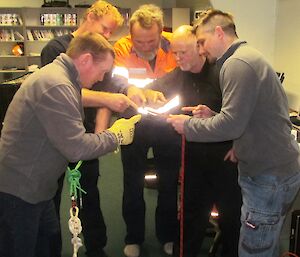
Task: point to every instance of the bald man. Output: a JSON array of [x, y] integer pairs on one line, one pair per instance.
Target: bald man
[[209, 179]]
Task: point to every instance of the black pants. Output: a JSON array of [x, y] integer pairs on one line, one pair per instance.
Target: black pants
[[156, 133], [93, 226], [210, 180]]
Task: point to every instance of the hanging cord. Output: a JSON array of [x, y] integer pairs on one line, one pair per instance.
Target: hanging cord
[[181, 216], [73, 176], [288, 254]]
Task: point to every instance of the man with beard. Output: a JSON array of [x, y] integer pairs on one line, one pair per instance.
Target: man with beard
[[146, 53]]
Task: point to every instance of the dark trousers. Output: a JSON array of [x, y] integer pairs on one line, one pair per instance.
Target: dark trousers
[[27, 230], [210, 180], [159, 135], [93, 226]]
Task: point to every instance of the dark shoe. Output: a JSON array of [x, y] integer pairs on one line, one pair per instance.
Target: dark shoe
[[99, 253]]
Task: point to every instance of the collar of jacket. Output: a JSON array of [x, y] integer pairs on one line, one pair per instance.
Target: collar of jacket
[[236, 44]]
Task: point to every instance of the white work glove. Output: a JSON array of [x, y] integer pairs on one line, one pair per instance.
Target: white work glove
[[124, 129]]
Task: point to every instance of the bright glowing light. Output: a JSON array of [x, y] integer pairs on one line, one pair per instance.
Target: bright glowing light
[[141, 83], [121, 71], [150, 177], [167, 107], [124, 72], [214, 214], [142, 110]]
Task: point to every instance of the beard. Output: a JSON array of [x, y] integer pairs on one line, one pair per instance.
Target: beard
[[148, 56]]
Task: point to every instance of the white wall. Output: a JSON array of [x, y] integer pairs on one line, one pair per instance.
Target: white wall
[[271, 26], [255, 20], [287, 48]]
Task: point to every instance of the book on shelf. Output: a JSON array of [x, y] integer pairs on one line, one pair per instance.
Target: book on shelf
[[29, 35], [10, 19], [18, 36], [11, 35]]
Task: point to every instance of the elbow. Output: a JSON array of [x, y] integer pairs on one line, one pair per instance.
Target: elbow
[[73, 157]]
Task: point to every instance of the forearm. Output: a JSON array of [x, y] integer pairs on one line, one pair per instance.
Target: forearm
[[91, 98], [102, 119]]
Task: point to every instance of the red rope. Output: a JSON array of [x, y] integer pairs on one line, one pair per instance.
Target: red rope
[[181, 195], [288, 254]]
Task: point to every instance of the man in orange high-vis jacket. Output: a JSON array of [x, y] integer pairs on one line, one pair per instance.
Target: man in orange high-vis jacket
[[127, 55], [146, 53]]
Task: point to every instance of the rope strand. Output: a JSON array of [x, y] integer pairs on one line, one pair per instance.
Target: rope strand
[[181, 215], [73, 176]]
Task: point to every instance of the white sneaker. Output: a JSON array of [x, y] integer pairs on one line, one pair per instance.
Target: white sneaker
[[168, 248], [132, 250]]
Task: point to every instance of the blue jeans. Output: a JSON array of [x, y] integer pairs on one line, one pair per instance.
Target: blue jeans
[[266, 200], [26, 229]]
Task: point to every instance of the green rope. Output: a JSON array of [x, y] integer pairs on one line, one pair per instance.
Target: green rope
[[73, 176]]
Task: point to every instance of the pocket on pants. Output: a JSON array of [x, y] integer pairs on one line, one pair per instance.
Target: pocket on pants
[[258, 234]]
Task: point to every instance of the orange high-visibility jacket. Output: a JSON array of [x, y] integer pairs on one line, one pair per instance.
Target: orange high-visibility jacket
[[126, 57]]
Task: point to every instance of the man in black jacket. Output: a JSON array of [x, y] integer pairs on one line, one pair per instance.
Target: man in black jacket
[[102, 18], [209, 179]]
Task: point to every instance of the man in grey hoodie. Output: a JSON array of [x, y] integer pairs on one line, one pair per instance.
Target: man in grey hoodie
[[255, 115], [43, 131]]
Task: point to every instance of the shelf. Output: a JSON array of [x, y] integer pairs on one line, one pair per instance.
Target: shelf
[[12, 71], [11, 26], [41, 41], [33, 55], [12, 56], [50, 27], [12, 41]]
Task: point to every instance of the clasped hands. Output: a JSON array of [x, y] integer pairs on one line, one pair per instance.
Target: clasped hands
[[199, 111]]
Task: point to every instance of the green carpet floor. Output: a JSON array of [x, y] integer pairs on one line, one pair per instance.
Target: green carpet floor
[[111, 187]]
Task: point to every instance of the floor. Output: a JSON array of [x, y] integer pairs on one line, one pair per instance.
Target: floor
[[110, 186]]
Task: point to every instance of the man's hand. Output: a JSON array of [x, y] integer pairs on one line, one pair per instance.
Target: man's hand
[[115, 102], [231, 156], [178, 121], [119, 102], [154, 98], [124, 129], [136, 95], [200, 111]]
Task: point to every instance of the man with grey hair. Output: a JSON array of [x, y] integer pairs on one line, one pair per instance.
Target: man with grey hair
[[146, 53], [255, 115]]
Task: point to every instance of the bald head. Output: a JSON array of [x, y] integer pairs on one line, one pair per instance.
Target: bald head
[[184, 47], [183, 32]]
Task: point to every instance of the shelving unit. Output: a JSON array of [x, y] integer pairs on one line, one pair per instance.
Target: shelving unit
[[33, 28]]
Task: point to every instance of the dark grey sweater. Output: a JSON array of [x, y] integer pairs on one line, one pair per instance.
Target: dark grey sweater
[[43, 131], [254, 114]]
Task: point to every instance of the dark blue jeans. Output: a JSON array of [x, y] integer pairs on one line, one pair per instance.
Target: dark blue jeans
[[266, 201], [26, 229]]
